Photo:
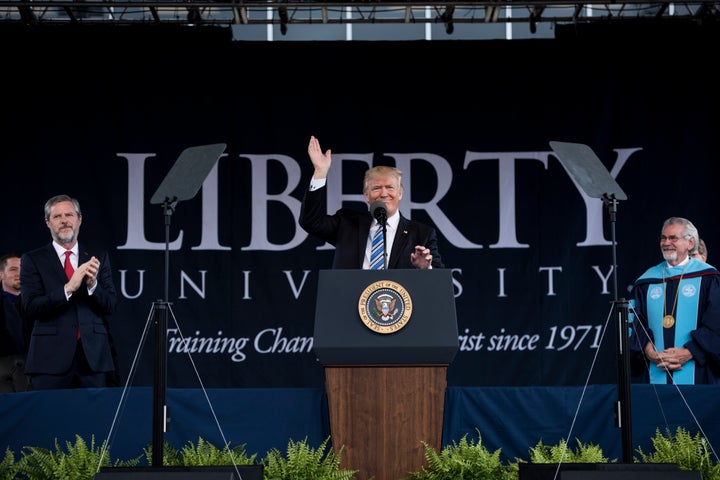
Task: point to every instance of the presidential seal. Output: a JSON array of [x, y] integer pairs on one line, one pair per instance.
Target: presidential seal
[[385, 306]]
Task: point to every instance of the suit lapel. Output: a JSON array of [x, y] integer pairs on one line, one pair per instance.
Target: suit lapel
[[400, 241], [364, 222], [53, 260], [83, 256]]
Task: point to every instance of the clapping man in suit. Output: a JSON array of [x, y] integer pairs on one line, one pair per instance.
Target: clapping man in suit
[[68, 294], [410, 244]]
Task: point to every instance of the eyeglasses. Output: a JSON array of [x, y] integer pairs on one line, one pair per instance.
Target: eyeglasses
[[672, 238]]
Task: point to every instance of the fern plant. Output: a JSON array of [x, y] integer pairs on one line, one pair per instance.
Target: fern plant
[[172, 456], [8, 467], [205, 453], [463, 460], [689, 452], [302, 462], [561, 453], [78, 462]]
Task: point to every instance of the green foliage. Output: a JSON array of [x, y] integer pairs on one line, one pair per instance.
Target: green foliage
[[302, 462], [8, 466], [463, 460], [205, 453], [687, 451], [560, 453], [76, 462], [80, 462], [172, 457]]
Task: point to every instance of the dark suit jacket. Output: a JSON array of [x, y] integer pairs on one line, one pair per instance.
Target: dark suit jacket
[[12, 333], [348, 231], [56, 319]]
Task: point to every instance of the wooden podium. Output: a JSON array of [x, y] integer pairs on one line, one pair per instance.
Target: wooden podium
[[385, 382]]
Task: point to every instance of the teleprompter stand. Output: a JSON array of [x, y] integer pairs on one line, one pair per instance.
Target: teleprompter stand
[[587, 171], [182, 182]]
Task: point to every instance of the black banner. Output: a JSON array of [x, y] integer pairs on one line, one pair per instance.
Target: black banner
[[103, 113]]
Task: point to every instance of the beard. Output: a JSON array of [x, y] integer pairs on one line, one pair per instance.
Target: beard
[[65, 235], [670, 255]]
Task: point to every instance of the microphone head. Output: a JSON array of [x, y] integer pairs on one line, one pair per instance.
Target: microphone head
[[378, 211]]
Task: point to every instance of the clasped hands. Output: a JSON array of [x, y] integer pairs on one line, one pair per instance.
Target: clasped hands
[[671, 359], [87, 271]]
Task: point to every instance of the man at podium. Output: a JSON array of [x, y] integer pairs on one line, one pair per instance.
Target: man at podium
[[362, 239]]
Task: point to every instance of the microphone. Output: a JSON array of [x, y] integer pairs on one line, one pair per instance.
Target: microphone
[[379, 212]]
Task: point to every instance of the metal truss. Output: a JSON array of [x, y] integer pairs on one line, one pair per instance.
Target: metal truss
[[288, 12]]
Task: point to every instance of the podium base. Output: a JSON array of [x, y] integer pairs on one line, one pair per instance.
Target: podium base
[[381, 415]]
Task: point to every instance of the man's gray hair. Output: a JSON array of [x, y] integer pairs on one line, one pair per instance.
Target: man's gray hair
[[61, 198], [689, 230]]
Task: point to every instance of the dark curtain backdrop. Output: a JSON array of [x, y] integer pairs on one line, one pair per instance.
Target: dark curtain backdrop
[[102, 113]]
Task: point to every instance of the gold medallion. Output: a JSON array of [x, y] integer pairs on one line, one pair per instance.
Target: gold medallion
[[668, 321]]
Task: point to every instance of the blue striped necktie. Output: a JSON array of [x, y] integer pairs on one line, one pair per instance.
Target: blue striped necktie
[[377, 251]]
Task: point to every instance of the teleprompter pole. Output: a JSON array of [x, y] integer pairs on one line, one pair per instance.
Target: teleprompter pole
[[623, 414], [160, 317], [623, 409]]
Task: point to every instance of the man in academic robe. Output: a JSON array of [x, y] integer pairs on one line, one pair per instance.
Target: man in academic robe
[[675, 314]]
